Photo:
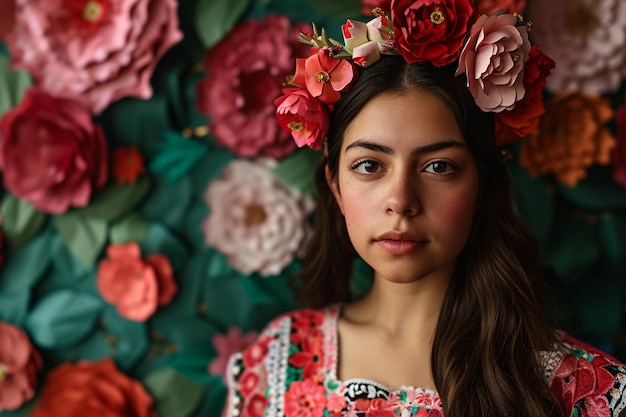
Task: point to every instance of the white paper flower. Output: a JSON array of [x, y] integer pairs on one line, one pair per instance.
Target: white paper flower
[[256, 220], [587, 41]]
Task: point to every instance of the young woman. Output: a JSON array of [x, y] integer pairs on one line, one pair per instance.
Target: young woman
[[412, 182]]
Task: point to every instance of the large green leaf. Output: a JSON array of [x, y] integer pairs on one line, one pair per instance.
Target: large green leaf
[[129, 339], [177, 155], [84, 236], [14, 306], [193, 362], [174, 395], [216, 17], [26, 265], [116, 200], [63, 318], [12, 85], [298, 170], [20, 220], [132, 227]]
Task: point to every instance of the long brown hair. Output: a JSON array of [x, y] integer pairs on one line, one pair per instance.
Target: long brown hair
[[491, 326]]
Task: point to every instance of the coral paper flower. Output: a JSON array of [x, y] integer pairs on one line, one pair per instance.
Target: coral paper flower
[[51, 152], [128, 165], [305, 117], [256, 220], [509, 6], [572, 136], [92, 389], [95, 51], [431, 30], [492, 59], [586, 40], [225, 345], [619, 153], [135, 286], [19, 365], [524, 119], [305, 399], [245, 73], [326, 77]]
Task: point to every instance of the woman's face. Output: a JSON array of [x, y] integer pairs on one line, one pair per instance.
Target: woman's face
[[407, 186]]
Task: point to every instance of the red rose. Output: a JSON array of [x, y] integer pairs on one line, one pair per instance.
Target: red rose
[[306, 118], [524, 118], [51, 152], [433, 31]]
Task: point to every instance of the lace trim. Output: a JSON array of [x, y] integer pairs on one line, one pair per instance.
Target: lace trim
[[276, 362], [233, 401], [329, 331]]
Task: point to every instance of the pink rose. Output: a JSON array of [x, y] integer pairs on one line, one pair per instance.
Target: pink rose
[[94, 52], [136, 286], [19, 365], [245, 73], [306, 118], [51, 152], [493, 59]]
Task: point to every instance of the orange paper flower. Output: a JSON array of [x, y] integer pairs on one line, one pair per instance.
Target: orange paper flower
[[128, 165], [571, 137], [92, 389], [136, 286]]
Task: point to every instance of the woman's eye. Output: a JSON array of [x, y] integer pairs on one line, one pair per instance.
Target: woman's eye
[[440, 167], [366, 167]]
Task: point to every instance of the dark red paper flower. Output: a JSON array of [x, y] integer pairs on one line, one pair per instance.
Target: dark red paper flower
[[368, 5], [433, 31], [509, 6], [127, 165]]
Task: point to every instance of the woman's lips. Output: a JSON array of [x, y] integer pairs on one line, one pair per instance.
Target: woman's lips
[[399, 243]]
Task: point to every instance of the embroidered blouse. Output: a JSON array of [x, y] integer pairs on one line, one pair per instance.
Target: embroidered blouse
[[291, 371]]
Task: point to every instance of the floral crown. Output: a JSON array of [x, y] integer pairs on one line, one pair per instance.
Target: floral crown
[[504, 73]]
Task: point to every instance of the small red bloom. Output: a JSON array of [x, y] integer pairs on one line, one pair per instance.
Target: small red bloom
[[128, 165], [305, 399], [306, 118]]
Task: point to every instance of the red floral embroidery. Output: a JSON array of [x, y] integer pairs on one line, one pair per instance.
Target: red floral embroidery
[[305, 399]]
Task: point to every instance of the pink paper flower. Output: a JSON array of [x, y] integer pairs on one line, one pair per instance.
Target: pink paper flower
[[225, 345], [618, 155], [585, 39], [493, 59], [95, 51], [306, 118], [19, 365], [7, 17], [509, 6], [256, 220], [92, 389], [51, 152], [135, 286], [245, 73]]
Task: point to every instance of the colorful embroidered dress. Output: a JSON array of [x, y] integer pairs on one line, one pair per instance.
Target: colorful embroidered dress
[[291, 371]]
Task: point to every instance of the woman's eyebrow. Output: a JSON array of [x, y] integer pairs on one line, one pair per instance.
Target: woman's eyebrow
[[432, 147]]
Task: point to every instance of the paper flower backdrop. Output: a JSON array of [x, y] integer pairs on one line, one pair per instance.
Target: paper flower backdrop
[[153, 210]]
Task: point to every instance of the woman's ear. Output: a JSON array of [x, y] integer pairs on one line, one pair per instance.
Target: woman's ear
[[334, 187]]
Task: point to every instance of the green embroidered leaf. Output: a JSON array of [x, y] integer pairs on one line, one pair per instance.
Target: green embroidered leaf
[[177, 155], [63, 318], [115, 200], [174, 395], [20, 220], [84, 236], [215, 17], [12, 85]]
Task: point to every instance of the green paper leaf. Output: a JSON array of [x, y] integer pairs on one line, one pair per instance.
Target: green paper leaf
[[174, 395], [84, 236], [177, 155], [12, 85], [215, 18], [20, 220], [193, 362], [133, 227], [63, 318], [158, 206], [24, 267], [14, 306], [298, 170], [115, 200], [129, 338], [161, 240]]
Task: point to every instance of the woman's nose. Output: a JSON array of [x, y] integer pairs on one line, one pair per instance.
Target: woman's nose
[[402, 198]]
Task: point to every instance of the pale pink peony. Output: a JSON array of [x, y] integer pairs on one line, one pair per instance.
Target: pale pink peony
[[94, 51], [245, 73], [493, 60], [254, 219], [586, 40], [509, 6], [7, 17], [19, 365], [227, 344], [135, 286], [51, 152]]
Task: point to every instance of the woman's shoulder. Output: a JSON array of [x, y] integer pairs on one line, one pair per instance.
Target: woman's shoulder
[[586, 379]]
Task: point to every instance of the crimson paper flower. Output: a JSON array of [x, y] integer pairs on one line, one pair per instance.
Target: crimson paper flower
[[245, 73], [509, 6], [305, 117], [135, 286], [51, 152], [7, 17], [431, 30], [92, 389], [95, 51], [19, 365]]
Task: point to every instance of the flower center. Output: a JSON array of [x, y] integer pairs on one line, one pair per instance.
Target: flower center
[[322, 77], [255, 215], [437, 17], [92, 12], [296, 126], [581, 19]]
